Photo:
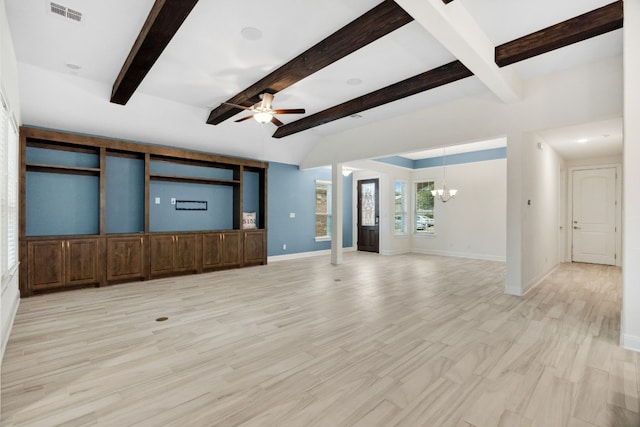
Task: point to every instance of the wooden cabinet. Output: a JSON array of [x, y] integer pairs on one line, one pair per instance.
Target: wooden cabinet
[[61, 263], [174, 253], [125, 258], [255, 251], [117, 225], [221, 249]]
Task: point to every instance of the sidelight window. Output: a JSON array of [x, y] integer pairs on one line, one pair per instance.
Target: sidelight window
[[424, 219], [323, 210]]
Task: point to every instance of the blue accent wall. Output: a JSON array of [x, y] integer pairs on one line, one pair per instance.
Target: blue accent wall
[[251, 194], [62, 158], [451, 159], [60, 204], [293, 190], [397, 161], [165, 217], [179, 169], [456, 159], [125, 195]]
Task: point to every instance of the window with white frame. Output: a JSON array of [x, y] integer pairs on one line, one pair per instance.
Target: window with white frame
[[400, 209], [8, 192], [323, 210], [424, 219]]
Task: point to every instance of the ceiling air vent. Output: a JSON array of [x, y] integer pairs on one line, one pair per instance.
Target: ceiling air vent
[[66, 12]]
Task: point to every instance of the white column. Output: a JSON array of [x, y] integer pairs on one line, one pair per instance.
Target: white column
[[336, 213], [513, 283], [630, 316]]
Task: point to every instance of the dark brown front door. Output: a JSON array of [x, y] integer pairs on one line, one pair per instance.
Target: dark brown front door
[[368, 215]]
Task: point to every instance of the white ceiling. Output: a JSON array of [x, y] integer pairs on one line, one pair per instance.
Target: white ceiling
[[208, 61]]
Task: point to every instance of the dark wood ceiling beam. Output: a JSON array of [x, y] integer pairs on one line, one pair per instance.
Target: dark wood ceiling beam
[[440, 76], [376, 23], [591, 24], [164, 20], [583, 27]]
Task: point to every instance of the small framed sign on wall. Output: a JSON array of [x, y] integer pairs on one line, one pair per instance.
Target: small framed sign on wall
[[191, 205]]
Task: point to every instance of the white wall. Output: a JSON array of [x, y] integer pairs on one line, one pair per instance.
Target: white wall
[[10, 295], [473, 225], [630, 328], [470, 226], [542, 170]]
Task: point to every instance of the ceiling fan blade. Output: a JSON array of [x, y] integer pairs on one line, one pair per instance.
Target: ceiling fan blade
[[276, 121], [244, 118], [242, 107], [290, 111]]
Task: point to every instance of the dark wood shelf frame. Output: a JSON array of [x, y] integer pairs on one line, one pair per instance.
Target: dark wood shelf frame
[[108, 258]]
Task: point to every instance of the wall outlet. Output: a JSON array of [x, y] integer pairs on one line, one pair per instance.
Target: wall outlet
[[173, 200], [157, 200], [284, 247], [292, 214]]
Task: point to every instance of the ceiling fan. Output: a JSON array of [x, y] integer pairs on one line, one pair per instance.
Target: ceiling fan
[[262, 111]]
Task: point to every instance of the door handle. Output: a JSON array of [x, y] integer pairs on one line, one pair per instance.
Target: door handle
[[377, 220]]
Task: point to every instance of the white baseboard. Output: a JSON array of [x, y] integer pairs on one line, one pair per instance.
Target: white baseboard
[[538, 279], [630, 342], [396, 252], [7, 319], [486, 257], [298, 255]]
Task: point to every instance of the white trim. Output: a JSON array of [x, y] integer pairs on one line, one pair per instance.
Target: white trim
[[630, 342], [9, 325], [395, 252], [298, 255], [485, 257], [539, 279], [323, 238]]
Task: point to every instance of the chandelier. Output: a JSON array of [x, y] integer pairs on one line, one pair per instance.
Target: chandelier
[[444, 194]]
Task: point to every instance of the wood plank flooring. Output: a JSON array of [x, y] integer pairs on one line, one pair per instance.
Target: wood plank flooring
[[409, 340]]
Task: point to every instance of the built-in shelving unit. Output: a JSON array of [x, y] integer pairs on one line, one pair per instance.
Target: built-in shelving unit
[[96, 211]]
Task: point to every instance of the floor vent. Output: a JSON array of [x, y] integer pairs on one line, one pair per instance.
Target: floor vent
[[66, 12]]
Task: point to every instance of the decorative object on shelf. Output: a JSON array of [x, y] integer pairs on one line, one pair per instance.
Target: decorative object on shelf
[[444, 194], [191, 205], [248, 220]]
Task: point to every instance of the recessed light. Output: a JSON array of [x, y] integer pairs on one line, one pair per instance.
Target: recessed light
[[251, 33], [582, 140], [72, 66], [355, 116], [354, 81]]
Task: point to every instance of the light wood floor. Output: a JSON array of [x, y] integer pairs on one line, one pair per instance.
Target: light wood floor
[[405, 340]]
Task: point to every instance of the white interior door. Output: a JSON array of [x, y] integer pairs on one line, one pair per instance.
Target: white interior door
[[594, 216]]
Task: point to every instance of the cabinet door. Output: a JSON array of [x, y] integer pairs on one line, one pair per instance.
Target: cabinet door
[[45, 261], [186, 249], [254, 251], [82, 261], [125, 258], [161, 254], [211, 250], [231, 249]]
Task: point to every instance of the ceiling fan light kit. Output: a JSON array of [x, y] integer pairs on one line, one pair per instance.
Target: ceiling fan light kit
[[262, 111]]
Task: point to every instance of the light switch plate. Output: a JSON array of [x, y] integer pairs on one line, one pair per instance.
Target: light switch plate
[[173, 200], [157, 200], [292, 214]]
